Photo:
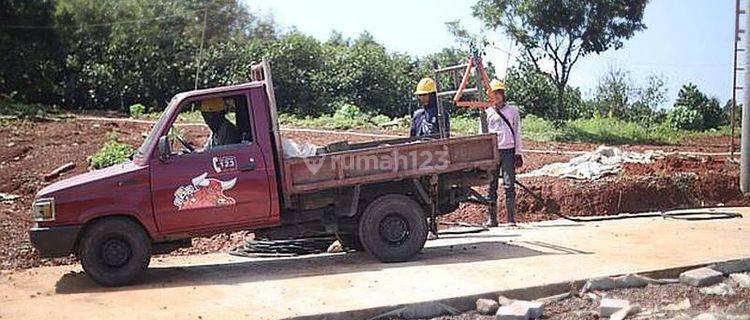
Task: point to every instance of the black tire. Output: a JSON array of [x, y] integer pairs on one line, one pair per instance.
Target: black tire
[[393, 228], [114, 251]]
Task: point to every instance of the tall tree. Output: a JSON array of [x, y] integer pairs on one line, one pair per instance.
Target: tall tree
[[562, 31], [31, 51]]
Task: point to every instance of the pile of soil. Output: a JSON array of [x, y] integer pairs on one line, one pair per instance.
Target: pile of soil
[[33, 149], [672, 182]]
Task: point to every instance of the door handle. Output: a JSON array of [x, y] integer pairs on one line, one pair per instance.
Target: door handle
[[249, 167]]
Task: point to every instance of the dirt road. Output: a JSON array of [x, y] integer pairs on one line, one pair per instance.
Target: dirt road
[[217, 286]]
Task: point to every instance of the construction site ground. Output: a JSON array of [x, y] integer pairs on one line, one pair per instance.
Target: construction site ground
[[532, 260], [705, 178]]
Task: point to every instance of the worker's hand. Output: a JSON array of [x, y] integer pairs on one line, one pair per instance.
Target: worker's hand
[[519, 161]]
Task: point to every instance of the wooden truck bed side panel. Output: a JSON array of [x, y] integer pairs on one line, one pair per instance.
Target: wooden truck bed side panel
[[262, 72], [386, 163]]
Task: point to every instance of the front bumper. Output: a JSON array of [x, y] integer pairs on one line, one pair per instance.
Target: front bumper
[[54, 242]]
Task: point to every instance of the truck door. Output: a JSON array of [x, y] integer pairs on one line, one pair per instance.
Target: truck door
[[215, 175]]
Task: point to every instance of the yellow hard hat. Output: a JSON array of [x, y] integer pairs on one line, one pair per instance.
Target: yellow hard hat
[[425, 86], [212, 105], [497, 85]]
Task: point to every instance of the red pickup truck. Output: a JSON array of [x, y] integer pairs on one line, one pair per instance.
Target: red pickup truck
[[381, 196]]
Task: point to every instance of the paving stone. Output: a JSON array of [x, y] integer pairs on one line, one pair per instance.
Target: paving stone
[[487, 306], [609, 306], [514, 311], [701, 277]]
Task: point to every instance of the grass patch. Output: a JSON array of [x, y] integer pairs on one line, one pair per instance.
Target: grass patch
[[595, 130], [112, 153], [616, 131]]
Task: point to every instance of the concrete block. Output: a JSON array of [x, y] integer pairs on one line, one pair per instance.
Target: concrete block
[[536, 308], [514, 311], [487, 306], [701, 277], [607, 306]]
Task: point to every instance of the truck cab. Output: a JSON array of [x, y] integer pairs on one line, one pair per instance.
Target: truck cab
[[176, 187]]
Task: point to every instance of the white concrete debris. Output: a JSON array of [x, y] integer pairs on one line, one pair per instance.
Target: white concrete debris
[[609, 283], [743, 279], [504, 301], [536, 308], [608, 306], [596, 164], [514, 311], [624, 312], [294, 149], [511, 309], [721, 289], [487, 306]]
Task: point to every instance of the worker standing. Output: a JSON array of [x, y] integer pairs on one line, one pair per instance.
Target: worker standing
[[504, 119], [424, 122]]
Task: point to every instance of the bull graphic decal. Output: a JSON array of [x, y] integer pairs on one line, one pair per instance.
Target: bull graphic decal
[[204, 193]]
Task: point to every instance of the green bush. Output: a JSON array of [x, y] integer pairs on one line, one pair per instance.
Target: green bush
[[347, 111], [137, 110], [684, 118], [111, 153], [22, 110], [380, 119]]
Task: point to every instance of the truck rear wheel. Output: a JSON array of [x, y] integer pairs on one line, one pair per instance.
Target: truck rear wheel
[[114, 251], [393, 228]]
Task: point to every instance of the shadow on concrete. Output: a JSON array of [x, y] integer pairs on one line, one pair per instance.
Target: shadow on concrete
[[269, 269]]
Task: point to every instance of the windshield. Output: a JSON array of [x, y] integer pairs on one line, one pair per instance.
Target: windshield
[[153, 134]]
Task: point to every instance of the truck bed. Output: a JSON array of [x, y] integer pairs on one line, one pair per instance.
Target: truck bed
[[388, 162]]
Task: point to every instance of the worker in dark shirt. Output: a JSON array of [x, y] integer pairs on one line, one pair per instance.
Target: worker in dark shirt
[[424, 122], [223, 132]]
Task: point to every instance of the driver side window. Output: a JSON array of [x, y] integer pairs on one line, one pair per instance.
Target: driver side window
[[211, 123]]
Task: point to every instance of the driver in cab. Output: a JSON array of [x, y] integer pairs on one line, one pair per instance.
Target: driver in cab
[[223, 132]]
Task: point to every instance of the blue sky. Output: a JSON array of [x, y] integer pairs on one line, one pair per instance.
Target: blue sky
[[686, 40]]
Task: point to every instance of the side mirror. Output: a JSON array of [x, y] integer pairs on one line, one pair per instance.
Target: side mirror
[[164, 148]]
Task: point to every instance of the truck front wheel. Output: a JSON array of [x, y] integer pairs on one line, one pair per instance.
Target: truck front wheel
[[393, 228], [114, 251]]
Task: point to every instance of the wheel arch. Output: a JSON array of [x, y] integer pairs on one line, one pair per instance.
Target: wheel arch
[[87, 225]]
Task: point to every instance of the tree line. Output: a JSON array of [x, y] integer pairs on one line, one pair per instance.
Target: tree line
[[110, 54], [113, 53]]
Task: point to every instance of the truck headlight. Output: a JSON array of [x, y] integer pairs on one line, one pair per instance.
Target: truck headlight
[[43, 209]]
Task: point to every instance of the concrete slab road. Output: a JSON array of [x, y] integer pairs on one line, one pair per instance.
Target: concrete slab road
[[219, 286]]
